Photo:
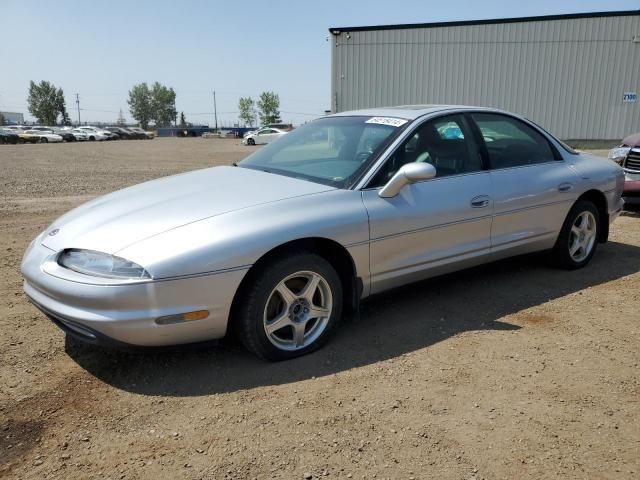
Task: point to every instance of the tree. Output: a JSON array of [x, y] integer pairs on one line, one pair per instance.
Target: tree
[[121, 122], [163, 102], [246, 107], [62, 108], [46, 102], [183, 120], [269, 107], [156, 103], [140, 104]]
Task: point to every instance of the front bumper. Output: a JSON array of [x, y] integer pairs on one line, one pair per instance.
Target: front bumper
[[631, 191], [126, 314]]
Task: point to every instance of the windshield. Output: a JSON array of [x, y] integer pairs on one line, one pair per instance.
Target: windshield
[[333, 151]]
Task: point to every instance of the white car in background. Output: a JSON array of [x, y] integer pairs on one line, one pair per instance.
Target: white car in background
[[94, 133], [45, 136], [15, 128], [263, 136], [81, 135]]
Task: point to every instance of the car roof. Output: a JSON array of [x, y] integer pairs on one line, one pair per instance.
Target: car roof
[[409, 112]]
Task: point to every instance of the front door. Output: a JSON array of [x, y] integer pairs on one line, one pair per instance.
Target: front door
[[437, 225]]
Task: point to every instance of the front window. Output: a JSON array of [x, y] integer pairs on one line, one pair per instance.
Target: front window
[[334, 150], [444, 142]]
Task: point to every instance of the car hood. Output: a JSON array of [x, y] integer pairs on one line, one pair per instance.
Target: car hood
[[112, 222], [632, 140]]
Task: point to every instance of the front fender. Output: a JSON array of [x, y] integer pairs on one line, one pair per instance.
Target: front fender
[[238, 239]]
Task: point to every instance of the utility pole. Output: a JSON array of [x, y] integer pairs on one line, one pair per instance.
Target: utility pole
[[78, 104], [215, 110]]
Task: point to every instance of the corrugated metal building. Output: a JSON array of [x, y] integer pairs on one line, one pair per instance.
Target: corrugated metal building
[[577, 75], [13, 118]]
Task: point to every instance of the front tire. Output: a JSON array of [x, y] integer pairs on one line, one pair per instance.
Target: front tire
[[578, 239], [251, 141], [43, 140], [290, 307]]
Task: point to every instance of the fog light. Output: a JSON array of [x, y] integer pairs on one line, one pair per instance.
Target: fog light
[[183, 317]]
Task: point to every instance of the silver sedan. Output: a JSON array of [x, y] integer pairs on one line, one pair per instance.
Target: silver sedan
[[279, 247]]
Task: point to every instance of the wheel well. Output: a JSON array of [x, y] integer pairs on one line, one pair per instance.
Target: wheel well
[[330, 250], [600, 201]]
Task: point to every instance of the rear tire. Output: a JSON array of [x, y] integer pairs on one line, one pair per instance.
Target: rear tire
[[578, 239], [290, 307], [92, 138]]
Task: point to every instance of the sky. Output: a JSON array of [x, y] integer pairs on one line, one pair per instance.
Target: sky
[[99, 50]]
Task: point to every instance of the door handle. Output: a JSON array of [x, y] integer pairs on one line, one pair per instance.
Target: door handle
[[480, 201], [565, 187]]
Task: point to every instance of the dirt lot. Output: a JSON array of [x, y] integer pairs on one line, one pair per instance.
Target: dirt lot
[[508, 371]]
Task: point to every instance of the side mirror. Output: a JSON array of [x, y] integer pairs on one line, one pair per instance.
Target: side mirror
[[408, 173]]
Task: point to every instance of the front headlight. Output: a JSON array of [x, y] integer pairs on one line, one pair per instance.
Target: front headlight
[[618, 154], [100, 264]]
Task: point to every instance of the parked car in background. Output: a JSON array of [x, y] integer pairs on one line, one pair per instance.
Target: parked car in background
[[25, 137], [121, 132], [94, 133], [250, 132], [8, 136], [344, 207], [42, 136], [80, 135], [263, 136], [111, 135], [66, 134], [140, 131], [287, 127], [15, 128], [137, 134], [627, 155]]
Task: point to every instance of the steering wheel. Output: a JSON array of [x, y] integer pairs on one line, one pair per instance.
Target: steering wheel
[[363, 156]]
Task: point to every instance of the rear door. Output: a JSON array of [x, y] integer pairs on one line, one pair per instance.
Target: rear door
[[533, 188]]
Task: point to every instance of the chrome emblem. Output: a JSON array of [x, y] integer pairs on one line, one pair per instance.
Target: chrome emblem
[[54, 232]]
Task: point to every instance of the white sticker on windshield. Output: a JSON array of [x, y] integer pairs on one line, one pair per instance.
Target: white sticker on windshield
[[393, 122]]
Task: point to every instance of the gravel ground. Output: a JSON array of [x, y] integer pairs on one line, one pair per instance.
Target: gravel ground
[[511, 370]]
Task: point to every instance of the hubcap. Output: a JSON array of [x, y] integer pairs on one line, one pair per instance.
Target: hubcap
[[583, 236], [298, 311]]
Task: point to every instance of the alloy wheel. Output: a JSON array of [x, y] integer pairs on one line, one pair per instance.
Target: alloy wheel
[[298, 310], [582, 236]]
